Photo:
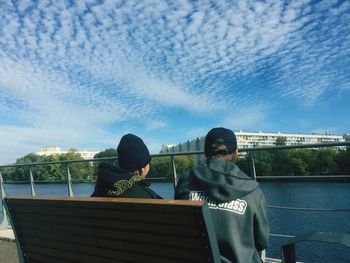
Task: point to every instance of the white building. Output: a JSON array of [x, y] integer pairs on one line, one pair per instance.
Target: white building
[[256, 139], [261, 139], [57, 150]]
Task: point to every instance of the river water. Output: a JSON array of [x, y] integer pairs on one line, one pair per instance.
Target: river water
[[318, 195]]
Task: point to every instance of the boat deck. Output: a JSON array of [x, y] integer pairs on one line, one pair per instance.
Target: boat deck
[[8, 248]]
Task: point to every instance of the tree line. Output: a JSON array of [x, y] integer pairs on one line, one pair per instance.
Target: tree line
[[85, 171], [293, 162], [298, 162]]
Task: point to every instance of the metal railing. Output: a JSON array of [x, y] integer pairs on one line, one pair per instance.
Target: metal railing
[[172, 156]]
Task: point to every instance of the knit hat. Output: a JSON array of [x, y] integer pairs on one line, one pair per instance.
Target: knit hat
[[220, 141], [132, 153]]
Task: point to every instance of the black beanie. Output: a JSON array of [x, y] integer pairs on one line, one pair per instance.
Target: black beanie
[[217, 137], [132, 153]]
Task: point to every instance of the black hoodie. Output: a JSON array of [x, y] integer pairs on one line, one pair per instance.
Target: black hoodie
[[114, 182], [237, 207]]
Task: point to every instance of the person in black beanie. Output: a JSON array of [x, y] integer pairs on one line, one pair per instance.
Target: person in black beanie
[[236, 203], [127, 180]]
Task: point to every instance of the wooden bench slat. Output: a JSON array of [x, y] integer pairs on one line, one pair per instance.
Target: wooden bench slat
[[61, 249], [144, 227], [100, 248], [112, 230], [77, 233], [54, 256], [155, 217]]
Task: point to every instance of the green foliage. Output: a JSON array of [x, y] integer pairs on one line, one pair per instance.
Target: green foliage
[[325, 162], [296, 162], [111, 152], [50, 172], [343, 161], [281, 141], [267, 163], [263, 163], [161, 166]]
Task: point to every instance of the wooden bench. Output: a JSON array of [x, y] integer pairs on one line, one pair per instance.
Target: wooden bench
[[106, 230]]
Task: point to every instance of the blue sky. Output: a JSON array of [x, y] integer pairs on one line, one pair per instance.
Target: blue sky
[[80, 74]]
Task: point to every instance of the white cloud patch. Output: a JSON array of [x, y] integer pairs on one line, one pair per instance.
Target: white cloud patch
[[247, 118], [156, 124], [86, 65]]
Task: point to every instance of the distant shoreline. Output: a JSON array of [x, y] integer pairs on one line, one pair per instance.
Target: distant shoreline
[[304, 179], [311, 178]]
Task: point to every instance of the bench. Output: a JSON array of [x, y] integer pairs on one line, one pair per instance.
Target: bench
[[106, 230]]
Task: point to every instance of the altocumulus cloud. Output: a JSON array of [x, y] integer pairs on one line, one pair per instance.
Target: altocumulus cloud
[[69, 70]]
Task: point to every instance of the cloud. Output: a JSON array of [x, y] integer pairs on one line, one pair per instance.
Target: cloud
[[247, 118], [89, 65], [156, 124], [20, 141]]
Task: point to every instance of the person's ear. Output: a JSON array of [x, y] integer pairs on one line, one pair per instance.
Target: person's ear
[[235, 154], [144, 170]]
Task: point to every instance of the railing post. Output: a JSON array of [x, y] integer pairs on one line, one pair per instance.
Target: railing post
[[5, 221], [32, 185], [69, 183], [252, 167], [174, 170]]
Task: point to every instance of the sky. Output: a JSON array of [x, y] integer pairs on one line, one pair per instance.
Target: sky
[[80, 74]]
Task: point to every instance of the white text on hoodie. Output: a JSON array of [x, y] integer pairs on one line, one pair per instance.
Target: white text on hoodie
[[237, 206]]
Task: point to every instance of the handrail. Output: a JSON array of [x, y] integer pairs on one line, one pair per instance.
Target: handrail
[[288, 249], [293, 239], [172, 156], [5, 221], [252, 149], [309, 209]]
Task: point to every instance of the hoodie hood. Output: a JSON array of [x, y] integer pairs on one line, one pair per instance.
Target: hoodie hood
[[223, 181], [113, 181]]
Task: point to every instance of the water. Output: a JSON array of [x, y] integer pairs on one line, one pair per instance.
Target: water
[[289, 222]]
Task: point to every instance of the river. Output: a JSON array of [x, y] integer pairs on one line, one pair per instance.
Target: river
[[319, 195]]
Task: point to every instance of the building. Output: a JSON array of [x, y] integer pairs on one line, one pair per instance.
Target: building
[[347, 139], [189, 146], [256, 139], [57, 150], [166, 147], [261, 139]]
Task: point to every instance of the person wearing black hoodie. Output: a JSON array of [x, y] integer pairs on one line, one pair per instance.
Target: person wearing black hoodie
[[127, 180], [237, 204]]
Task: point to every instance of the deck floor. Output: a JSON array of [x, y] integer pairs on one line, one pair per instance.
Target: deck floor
[[8, 251]]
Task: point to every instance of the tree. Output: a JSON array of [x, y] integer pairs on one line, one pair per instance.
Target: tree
[[22, 173], [161, 167], [263, 163], [325, 162], [281, 141], [111, 152], [343, 161], [281, 163]]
